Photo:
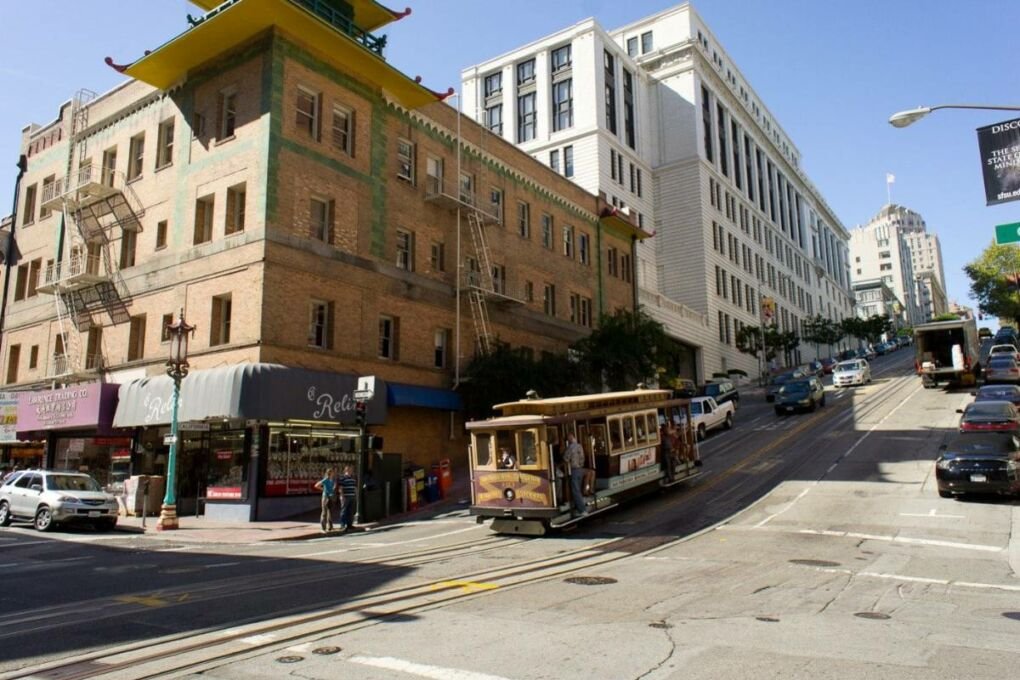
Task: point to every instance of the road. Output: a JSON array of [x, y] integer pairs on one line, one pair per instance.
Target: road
[[812, 546]]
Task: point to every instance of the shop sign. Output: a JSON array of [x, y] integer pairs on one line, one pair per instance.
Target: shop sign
[[76, 406], [111, 441], [194, 426], [223, 493], [226, 454], [8, 417]]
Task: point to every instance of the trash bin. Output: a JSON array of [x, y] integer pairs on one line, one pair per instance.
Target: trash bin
[[432, 488], [445, 477]]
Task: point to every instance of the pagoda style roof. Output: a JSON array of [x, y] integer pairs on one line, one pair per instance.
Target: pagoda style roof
[[316, 23], [368, 14]]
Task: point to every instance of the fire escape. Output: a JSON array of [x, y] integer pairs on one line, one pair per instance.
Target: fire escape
[[84, 280], [482, 283]]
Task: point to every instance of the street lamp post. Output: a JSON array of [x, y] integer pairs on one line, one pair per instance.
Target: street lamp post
[[177, 369], [904, 118]]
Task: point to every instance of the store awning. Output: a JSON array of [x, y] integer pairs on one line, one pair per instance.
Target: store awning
[[399, 394], [247, 392]]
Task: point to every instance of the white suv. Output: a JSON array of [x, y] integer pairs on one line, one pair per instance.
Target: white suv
[[49, 497], [853, 372]]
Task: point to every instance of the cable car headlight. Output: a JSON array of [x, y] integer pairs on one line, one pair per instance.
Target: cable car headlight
[[509, 494]]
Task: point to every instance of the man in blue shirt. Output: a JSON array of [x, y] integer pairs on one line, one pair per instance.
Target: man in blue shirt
[[348, 498], [327, 485]]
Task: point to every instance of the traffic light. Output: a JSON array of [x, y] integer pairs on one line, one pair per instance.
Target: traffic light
[[359, 413]]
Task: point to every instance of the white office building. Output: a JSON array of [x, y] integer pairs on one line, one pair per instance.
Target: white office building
[[656, 116]]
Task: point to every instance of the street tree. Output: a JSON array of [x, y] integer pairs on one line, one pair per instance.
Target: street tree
[[626, 348], [994, 282]]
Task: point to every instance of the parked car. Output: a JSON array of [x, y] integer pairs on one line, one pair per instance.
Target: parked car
[[1002, 369], [978, 463], [777, 381], [685, 388], [814, 368], [798, 395], [48, 498], [853, 372], [1010, 393], [881, 348], [904, 340], [1007, 349], [720, 390], [847, 354], [828, 364], [989, 416], [707, 415]]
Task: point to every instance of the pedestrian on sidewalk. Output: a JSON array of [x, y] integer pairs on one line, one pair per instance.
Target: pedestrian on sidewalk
[[348, 498], [327, 485]]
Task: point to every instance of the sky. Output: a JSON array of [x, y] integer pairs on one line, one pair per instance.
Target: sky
[[830, 72]]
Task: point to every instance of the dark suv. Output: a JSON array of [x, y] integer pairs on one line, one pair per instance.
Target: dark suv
[[722, 391], [802, 394]]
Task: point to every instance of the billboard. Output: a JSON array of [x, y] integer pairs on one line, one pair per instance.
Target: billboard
[[999, 145], [768, 311]]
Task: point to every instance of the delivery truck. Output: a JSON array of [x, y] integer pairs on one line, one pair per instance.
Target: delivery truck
[[947, 352]]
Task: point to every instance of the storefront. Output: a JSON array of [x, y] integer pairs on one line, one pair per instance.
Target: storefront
[[16, 454], [254, 438], [70, 429]]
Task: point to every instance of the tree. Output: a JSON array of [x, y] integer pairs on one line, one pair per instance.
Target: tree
[[506, 374], [948, 316], [994, 283], [874, 326], [626, 348]]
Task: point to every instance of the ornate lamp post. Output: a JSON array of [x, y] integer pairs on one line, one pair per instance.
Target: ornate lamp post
[[176, 368]]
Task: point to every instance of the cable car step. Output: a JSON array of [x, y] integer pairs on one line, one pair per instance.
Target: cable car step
[[570, 520]]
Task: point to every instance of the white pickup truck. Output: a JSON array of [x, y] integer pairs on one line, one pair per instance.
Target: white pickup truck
[[708, 415]]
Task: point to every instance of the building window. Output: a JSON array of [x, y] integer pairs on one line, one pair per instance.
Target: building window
[[523, 219], [109, 166], [632, 47], [161, 229], [13, 359], [526, 117], [236, 196], [625, 269], [529, 291], [494, 118], [405, 250], [321, 219], [228, 114], [568, 241], [136, 157], [136, 338], [706, 123], [612, 262], [646, 42], [440, 348], [405, 161], [33, 356], [526, 72], [388, 337], [127, 248], [165, 144], [433, 175], [499, 279], [568, 161], [547, 231], [496, 201], [885, 255], [28, 214], [34, 272], [721, 124], [563, 105], [584, 248], [549, 299], [609, 63], [437, 258], [48, 190], [493, 84], [197, 125], [343, 130], [628, 108], [21, 282], [219, 323], [554, 160], [168, 319], [320, 324], [467, 188], [560, 58], [308, 104], [204, 219]]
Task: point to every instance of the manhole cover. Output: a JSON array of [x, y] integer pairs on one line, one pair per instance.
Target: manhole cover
[[766, 619], [1012, 615], [815, 563], [325, 650], [660, 624], [878, 616], [590, 580], [289, 659]]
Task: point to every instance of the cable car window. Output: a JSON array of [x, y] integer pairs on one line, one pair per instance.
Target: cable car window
[[628, 430], [639, 429], [528, 446], [483, 449], [598, 436], [653, 430], [552, 437], [506, 450], [615, 441]]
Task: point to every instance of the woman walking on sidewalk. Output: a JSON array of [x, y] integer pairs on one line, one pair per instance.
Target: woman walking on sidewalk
[[327, 485]]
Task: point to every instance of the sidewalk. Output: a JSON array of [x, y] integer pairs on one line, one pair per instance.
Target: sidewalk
[[201, 530]]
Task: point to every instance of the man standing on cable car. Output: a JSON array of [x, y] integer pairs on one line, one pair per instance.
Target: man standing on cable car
[[573, 455]]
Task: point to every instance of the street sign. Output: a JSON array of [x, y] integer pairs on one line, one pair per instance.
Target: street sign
[[363, 395], [1007, 233], [170, 439]]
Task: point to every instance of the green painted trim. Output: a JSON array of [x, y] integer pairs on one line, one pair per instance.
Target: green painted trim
[[220, 64], [321, 158], [377, 163], [272, 106]]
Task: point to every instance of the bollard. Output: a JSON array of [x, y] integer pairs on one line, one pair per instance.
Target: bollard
[[145, 500]]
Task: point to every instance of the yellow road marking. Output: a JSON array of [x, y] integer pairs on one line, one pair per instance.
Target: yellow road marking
[[144, 600], [466, 586]]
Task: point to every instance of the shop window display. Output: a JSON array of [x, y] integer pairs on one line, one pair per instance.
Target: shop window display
[[298, 456]]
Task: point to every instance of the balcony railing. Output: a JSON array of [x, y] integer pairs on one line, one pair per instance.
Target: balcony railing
[[79, 270], [493, 288], [436, 192], [344, 25], [64, 364]]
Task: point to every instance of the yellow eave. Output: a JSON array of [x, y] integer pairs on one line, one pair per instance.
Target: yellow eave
[[623, 226], [170, 63], [368, 14]]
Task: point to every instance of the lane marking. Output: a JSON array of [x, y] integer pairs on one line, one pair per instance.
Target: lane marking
[[473, 527], [144, 600], [9, 564], [221, 564], [904, 539], [422, 670], [931, 513], [921, 579]]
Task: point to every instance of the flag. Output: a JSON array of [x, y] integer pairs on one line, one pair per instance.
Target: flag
[[889, 178]]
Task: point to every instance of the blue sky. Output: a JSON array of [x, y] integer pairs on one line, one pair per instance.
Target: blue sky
[[831, 72]]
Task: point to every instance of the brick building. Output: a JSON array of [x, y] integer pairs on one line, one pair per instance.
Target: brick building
[[307, 206]]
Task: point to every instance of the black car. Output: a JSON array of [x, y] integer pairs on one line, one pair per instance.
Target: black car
[[1010, 393], [804, 394], [722, 391], [777, 381], [978, 463]]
